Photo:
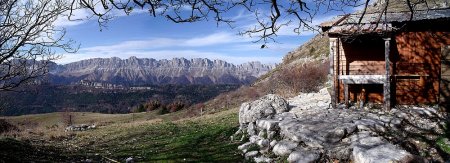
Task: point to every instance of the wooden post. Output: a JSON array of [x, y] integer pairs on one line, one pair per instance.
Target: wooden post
[[346, 94], [333, 82], [336, 76], [387, 82], [70, 119]]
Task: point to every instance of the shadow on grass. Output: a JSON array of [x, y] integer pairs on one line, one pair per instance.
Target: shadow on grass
[[198, 145], [170, 142], [12, 150]]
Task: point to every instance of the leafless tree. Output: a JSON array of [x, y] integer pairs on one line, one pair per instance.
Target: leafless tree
[[67, 117], [29, 39]]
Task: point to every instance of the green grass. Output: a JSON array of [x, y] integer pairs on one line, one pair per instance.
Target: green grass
[[201, 139], [443, 141], [147, 137], [444, 144]]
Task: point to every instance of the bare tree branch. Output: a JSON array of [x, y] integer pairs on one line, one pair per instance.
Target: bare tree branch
[[281, 13], [364, 11], [29, 39]]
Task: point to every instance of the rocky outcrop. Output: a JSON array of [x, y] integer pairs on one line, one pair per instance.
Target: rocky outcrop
[[136, 71], [265, 107], [309, 131], [81, 127]]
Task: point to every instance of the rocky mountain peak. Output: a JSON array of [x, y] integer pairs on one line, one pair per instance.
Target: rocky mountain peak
[[136, 71]]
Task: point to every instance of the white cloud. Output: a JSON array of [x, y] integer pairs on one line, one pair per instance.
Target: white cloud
[[136, 45], [216, 38], [243, 15], [83, 15], [79, 16], [155, 43]]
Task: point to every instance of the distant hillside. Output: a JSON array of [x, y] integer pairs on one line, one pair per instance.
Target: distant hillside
[[51, 98], [304, 69], [147, 71], [316, 49]]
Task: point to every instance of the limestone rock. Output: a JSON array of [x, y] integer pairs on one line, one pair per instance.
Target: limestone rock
[[263, 143], [244, 147], [267, 124], [251, 129], [302, 156], [265, 107], [285, 116], [261, 159], [80, 127], [385, 119], [310, 132], [395, 122], [367, 124], [306, 101], [370, 149], [382, 153], [284, 147], [273, 143], [254, 139], [277, 102], [251, 154], [129, 160]]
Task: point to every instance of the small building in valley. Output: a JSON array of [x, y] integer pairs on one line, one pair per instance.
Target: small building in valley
[[393, 57]]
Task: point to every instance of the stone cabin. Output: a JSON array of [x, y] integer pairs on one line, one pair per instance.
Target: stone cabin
[[391, 58]]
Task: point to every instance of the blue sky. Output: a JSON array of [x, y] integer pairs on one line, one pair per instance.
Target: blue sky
[[144, 36]]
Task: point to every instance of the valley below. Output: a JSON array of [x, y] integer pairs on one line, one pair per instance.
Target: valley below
[[79, 98]]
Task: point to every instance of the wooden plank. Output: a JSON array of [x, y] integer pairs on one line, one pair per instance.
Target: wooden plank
[[446, 53], [445, 69], [444, 84]]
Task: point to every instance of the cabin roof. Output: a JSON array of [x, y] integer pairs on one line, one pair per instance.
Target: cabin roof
[[374, 21]]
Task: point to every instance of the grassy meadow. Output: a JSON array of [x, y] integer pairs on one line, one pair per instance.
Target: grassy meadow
[[147, 137]]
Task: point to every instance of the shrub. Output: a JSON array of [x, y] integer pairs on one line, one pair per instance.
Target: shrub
[[251, 93], [175, 106], [153, 105], [163, 110], [138, 109], [6, 127], [305, 78]]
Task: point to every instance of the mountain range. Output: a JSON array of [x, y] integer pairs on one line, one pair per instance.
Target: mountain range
[[148, 71]]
